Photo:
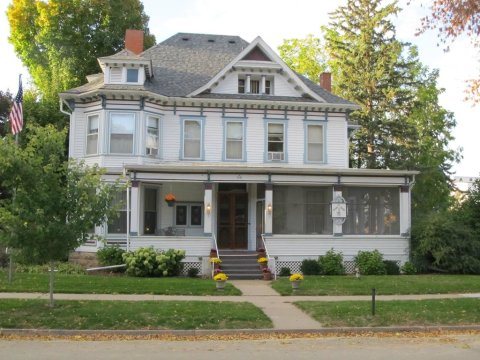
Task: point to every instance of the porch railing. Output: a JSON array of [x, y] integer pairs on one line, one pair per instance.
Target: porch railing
[[215, 245], [271, 260]]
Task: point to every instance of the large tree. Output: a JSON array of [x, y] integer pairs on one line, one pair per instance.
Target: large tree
[[55, 203], [5, 104], [403, 125], [59, 40], [453, 18]]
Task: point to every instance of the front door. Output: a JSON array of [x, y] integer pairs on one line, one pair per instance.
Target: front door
[[232, 220]]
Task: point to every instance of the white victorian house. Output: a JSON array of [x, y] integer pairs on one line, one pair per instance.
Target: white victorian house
[[254, 154]]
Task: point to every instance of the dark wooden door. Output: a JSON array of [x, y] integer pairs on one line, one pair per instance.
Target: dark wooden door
[[232, 220]]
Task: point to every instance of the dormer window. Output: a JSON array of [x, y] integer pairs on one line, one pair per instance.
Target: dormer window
[[116, 75], [132, 75], [255, 84]]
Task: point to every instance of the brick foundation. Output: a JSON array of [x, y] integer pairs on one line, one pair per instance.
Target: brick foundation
[[85, 259]]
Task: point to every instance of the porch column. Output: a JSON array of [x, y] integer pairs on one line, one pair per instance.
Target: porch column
[[269, 209], [208, 209], [337, 227], [134, 206], [405, 210], [247, 85]]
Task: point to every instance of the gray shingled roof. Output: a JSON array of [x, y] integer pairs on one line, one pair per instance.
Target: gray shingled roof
[[185, 62]]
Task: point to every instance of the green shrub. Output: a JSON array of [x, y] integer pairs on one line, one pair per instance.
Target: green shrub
[[391, 267], [111, 255], [310, 267], [370, 262], [193, 272], [4, 258], [284, 271], [331, 263], [145, 262], [409, 269]]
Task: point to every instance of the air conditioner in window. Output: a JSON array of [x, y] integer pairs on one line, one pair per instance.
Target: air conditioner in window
[[275, 156]]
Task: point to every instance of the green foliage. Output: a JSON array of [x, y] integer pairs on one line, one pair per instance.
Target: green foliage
[[193, 272], [331, 263], [146, 262], [391, 267], [370, 262], [285, 271], [305, 56], [57, 202], [310, 267], [5, 104], [60, 267], [408, 268], [111, 255], [59, 41]]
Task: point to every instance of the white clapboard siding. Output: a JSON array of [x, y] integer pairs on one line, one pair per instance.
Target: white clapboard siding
[[213, 141], [337, 143], [255, 139], [193, 246], [297, 246]]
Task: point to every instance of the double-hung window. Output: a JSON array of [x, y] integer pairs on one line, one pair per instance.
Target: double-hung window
[[192, 139], [92, 135], [315, 143], [152, 141], [132, 75], [122, 133], [234, 140], [276, 141]]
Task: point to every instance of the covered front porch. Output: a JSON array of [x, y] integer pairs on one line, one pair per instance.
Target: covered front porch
[[286, 211]]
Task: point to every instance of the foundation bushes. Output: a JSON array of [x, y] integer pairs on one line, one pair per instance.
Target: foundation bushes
[[111, 255], [147, 262], [370, 263], [331, 263]]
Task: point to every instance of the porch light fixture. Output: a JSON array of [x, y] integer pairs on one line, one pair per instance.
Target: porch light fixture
[[208, 208], [269, 208]]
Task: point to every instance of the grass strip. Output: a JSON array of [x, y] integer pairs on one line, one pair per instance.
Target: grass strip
[[131, 315], [385, 285], [98, 284], [390, 313]]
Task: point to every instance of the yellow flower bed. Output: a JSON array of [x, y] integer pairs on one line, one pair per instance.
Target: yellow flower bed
[[296, 277]]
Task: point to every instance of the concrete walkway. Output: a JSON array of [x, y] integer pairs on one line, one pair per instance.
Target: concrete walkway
[[284, 315]]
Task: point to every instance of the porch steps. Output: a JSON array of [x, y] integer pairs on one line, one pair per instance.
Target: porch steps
[[240, 265]]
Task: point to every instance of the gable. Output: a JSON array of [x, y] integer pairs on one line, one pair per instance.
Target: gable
[[257, 55]]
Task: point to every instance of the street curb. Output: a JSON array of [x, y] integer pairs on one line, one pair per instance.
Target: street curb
[[199, 333]]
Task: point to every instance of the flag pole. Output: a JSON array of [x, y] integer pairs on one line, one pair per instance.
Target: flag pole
[[17, 116]]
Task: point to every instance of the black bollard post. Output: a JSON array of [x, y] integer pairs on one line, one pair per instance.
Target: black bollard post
[[373, 301]]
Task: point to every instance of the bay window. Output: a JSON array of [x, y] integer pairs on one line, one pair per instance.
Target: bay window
[[234, 140], [122, 133], [152, 139], [92, 135], [192, 139]]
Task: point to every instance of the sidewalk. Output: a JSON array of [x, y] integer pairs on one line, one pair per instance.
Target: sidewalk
[[284, 315]]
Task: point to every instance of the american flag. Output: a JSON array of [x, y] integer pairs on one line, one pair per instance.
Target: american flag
[[16, 115]]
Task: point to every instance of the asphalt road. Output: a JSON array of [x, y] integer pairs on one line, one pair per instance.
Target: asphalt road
[[441, 347]]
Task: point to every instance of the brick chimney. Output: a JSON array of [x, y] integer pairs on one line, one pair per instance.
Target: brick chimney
[[134, 41], [326, 81]]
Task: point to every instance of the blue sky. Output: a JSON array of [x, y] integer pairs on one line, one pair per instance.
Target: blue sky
[[275, 20]]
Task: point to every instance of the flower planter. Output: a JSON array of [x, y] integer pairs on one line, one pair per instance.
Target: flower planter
[[296, 284], [267, 276], [171, 203], [220, 284]]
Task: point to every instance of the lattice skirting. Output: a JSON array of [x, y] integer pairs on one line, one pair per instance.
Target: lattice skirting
[[192, 265], [294, 266]]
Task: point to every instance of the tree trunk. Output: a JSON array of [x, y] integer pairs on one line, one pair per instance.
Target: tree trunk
[[51, 283]]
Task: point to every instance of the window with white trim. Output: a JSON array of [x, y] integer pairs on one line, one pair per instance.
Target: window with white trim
[[92, 135], [122, 133], [132, 75], [315, 143], [116, 75], [276, 142], [234, 140], [150, 211], [152, 139], [192, 139], [255, 84], [189, 215]]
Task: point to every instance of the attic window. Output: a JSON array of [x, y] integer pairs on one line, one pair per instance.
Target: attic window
[[132, 75]]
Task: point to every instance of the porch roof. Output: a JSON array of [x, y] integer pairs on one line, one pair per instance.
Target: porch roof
[[263, 169]]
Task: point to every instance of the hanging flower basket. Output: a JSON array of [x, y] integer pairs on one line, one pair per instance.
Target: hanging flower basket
[[170, 200]]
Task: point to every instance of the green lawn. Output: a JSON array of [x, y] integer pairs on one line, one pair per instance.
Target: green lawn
[[130, 315], [96, 284], [389, 313], [388, 284]]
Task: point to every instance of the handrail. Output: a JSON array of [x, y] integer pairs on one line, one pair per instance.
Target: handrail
[[214, 238], [271, 260]]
